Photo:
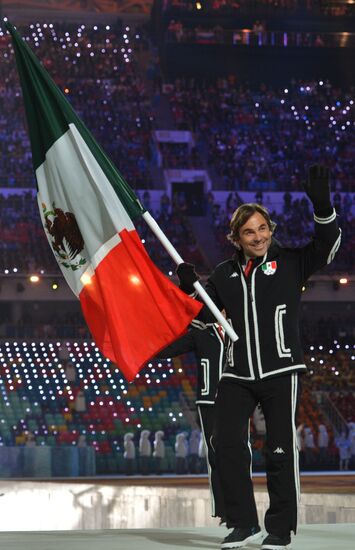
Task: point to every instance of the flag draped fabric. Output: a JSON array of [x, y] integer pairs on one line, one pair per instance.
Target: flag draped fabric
[[87, 211]]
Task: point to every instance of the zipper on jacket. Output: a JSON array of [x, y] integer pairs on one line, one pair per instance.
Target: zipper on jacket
[[255, 330], [252, 336], [252, 341], [248, 282]]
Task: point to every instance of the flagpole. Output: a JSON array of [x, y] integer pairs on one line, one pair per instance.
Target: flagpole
[[178, 260]]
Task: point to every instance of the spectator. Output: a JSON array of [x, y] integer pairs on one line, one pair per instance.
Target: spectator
[[159, 451], [323, 443], [129, 454], [82, 440], [30, 440], [70, 372], [300, 444], [194, 442], [259, 421], [181, 452], [80, 402], [309, 446], [202, 457], [343, 445], [145, 452], [351, 439]]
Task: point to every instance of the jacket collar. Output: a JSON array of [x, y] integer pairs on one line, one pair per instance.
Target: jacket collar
[[272, 253]]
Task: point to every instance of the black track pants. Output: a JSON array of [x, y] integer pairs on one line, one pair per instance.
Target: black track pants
[[235, 403], [207, 417]]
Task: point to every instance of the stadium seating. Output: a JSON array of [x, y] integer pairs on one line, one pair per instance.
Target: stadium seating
[[38, 397]]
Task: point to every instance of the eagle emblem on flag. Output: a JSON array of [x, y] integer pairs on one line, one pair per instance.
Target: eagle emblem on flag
[[269, 268], [65, 237]]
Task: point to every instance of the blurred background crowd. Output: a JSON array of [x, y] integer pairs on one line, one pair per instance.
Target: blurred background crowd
[[196, 128]]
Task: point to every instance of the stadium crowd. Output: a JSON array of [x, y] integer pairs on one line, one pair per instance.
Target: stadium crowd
[[235, 7], [95, 69], [23, 245], [263, 138], [252, 138]]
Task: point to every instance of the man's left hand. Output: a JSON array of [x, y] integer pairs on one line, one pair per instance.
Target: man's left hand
[[317, 187]]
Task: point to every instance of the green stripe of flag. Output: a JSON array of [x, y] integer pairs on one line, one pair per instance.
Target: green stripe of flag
[[49, 114]]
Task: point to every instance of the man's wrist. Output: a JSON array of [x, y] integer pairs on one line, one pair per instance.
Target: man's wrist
[[323, 211], [324, 216], [188, 289]]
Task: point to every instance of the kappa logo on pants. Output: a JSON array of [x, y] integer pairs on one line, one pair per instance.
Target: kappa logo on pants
[[279, 451]]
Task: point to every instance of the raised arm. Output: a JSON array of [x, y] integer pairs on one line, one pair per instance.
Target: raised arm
[[327, 235]]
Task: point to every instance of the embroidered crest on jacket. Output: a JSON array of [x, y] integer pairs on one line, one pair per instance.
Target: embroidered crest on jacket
[[269, 268]]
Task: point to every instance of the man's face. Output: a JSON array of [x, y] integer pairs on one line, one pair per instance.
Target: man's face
[[255, 236]]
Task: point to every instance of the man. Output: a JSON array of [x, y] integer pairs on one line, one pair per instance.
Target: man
[[208, 346], [260, 289]]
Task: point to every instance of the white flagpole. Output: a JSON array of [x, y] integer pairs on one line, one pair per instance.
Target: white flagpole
[[178, 260]]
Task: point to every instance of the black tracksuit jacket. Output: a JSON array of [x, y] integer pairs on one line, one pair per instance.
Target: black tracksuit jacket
[[264, 308], [208, 347]]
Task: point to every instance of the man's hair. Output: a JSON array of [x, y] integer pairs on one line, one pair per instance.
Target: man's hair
[[242, 215]]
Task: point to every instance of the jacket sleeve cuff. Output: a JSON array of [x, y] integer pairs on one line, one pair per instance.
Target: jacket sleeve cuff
[[324, 216]]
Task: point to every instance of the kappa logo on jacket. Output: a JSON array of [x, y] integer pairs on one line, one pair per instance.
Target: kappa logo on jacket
[[279, 451], [269, 268]]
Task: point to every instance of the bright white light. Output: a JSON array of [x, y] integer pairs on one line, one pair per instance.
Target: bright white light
[[135, 280], [86, 279]]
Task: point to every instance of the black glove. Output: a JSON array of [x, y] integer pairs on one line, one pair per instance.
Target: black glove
[[187, 277], [317, 187]]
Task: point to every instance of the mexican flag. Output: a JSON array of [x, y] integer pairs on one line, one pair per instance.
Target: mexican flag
[[87, 211]]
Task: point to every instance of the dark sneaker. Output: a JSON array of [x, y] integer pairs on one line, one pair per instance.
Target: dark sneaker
[[272, 542], [240, 536]]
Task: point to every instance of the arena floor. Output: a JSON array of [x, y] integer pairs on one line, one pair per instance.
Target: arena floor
[[311, 482], [158, 513], [310, 537]]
